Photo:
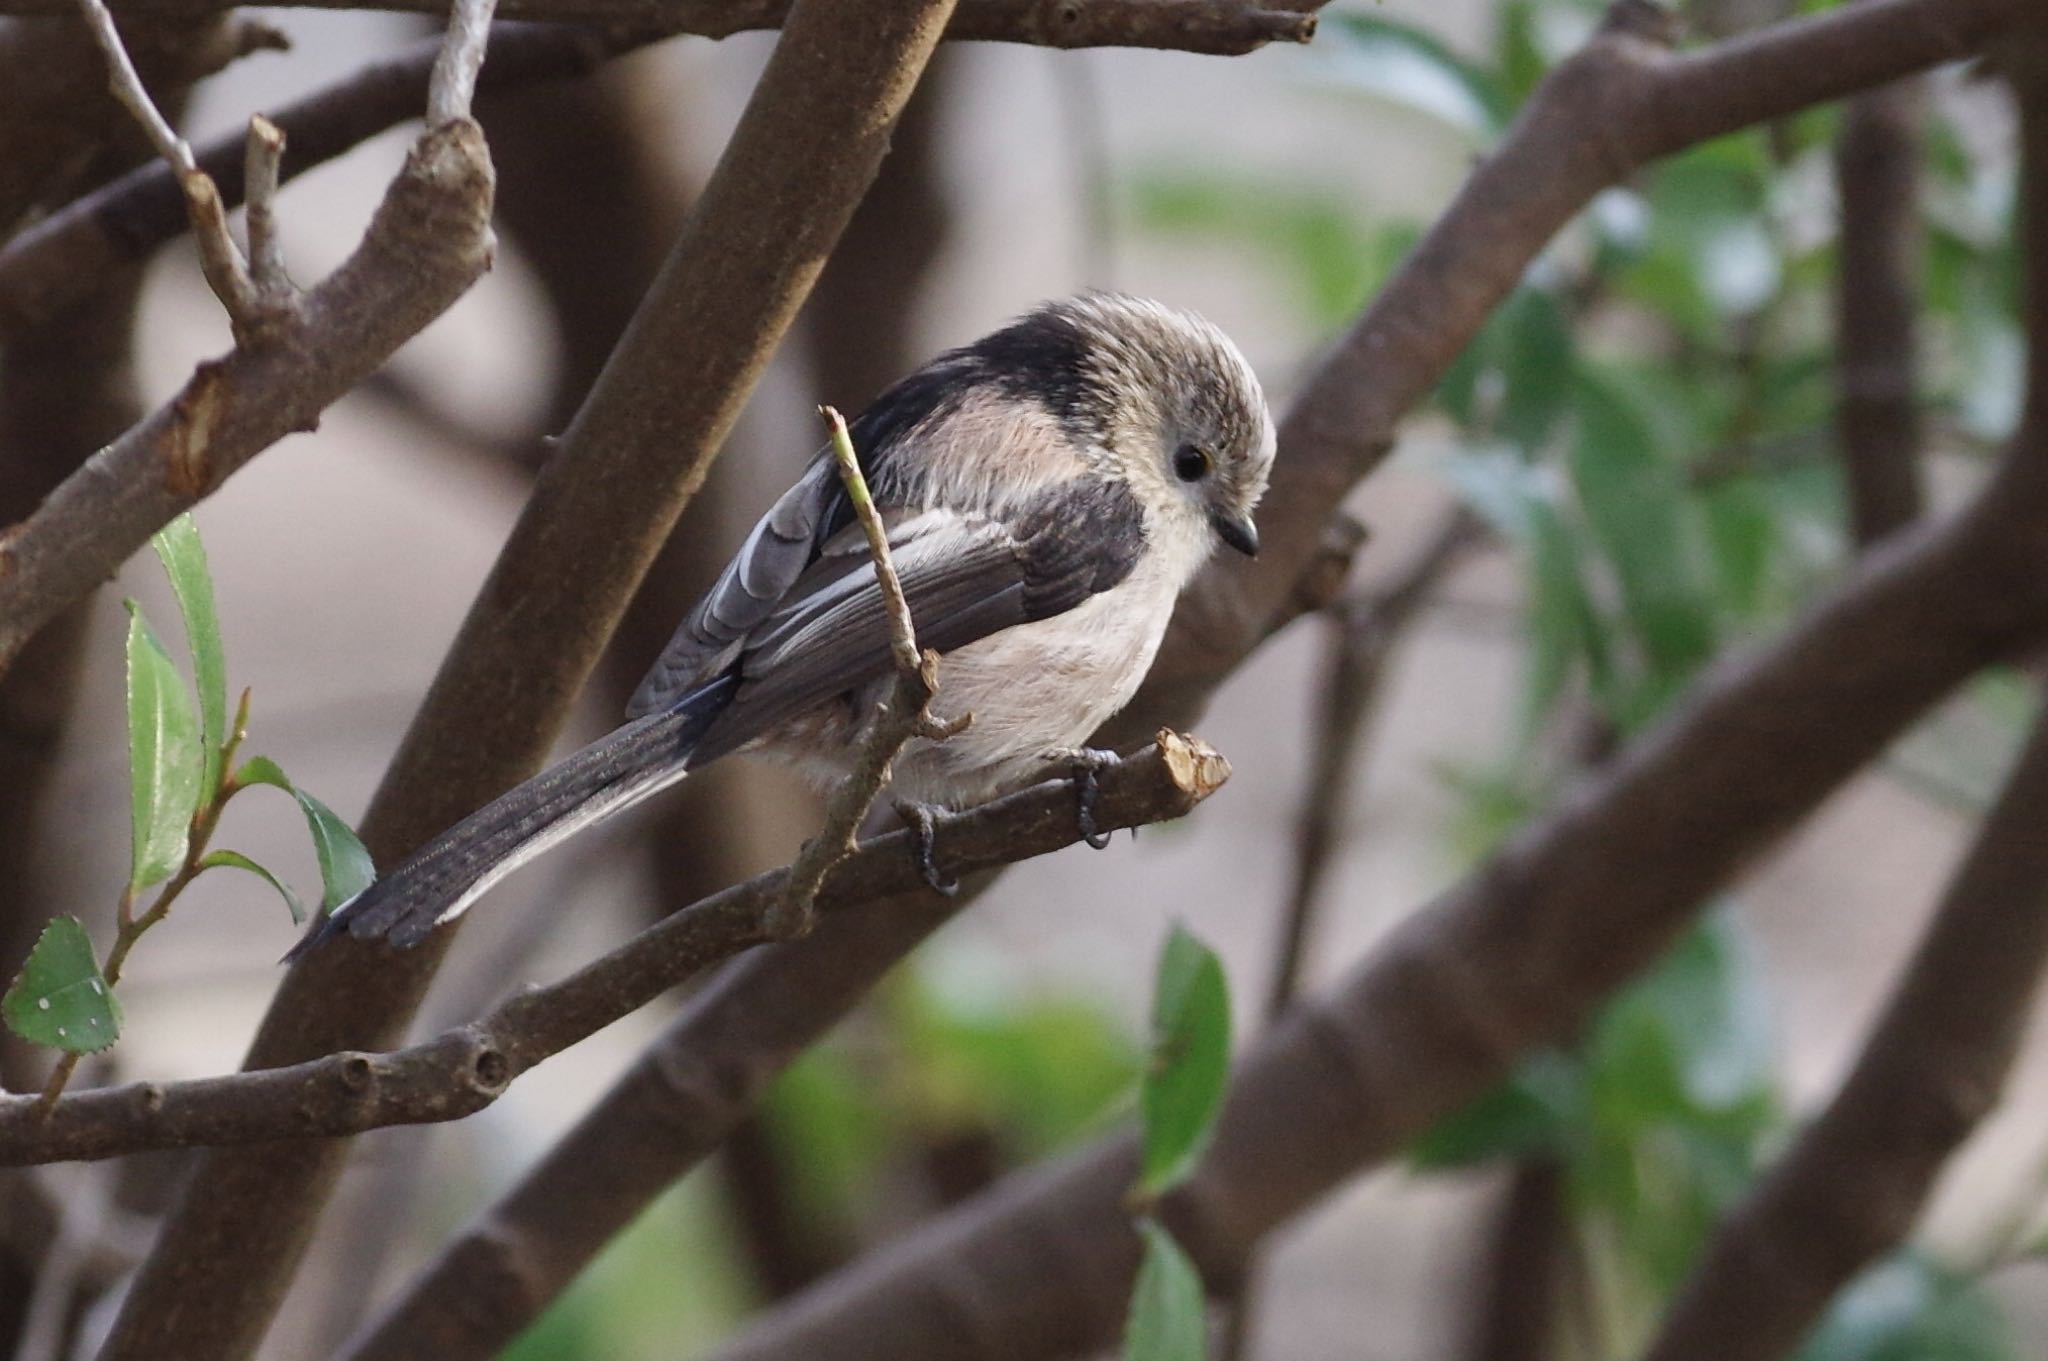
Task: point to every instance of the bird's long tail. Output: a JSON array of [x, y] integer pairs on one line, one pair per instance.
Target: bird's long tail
[[453, 870]]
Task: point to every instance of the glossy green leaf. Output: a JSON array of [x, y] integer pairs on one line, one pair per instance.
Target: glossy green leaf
[[59, 999], [236, 860], [1190, 1061], [345, 866], [1169, 1317], [1408, 66], [164, 763], [184, 558]]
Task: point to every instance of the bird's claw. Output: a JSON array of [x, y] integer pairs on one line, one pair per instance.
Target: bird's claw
[[922, 820], [1087, 765]]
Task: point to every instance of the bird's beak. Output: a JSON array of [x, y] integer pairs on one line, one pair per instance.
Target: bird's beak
[[1238, 531]]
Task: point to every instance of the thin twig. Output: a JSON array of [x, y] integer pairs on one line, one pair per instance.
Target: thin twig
[[453, 87], [904, 714], [467, 1067], [220, 259], [261, 170]]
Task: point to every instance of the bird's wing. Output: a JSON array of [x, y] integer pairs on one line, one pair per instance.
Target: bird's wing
[[774, 556], [964, 577]]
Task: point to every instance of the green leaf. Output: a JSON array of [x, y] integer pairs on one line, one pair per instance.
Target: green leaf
[[1404, 65], [184, 558], [164, 765], [1190, 1061], [1531, 1113], [1538, 366], [236, 860], [60, 999], [1169, 1318], [345, 866], [1636, 504]]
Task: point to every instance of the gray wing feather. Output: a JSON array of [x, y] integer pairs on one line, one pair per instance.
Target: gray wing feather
[[963, 577], [753, 584]]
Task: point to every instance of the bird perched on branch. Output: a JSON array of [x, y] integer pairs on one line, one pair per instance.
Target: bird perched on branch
[[1047, 491]]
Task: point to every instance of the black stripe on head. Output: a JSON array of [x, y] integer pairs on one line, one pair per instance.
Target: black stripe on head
[[1048, 357]]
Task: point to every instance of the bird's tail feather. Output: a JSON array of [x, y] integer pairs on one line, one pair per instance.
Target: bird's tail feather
[[453, 870]]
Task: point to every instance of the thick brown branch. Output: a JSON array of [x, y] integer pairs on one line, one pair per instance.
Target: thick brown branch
[[468, 1067], [804, 151], [1877, 172], [1218, 27]]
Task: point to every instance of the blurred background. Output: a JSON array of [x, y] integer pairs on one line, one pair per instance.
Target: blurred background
[[1633, 472]]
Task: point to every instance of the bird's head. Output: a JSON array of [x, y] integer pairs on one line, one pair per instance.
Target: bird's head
[[1162, 399]]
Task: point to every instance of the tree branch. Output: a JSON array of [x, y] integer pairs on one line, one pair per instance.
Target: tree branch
[[804, 151], [1852, 1186], [1216, 27], [1877, 174], [465, 1069]]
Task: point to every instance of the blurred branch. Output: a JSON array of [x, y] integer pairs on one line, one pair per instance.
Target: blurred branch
[[802, 154], [1877, 174], [67, 257], [1217, 27], [429, 240], [468, 1067], [1528, 1256], [1622, 101], [1853, 1184]]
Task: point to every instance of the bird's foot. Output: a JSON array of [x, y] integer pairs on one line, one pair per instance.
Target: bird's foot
[[1086, 765], [923, 819]]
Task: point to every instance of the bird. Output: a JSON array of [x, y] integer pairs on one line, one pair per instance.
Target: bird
[[1048, 491]]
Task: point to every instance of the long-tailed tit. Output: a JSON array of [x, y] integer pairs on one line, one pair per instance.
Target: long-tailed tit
[[1048, 491]]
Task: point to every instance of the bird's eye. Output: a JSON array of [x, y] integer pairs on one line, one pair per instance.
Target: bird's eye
[[1190, 464]]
